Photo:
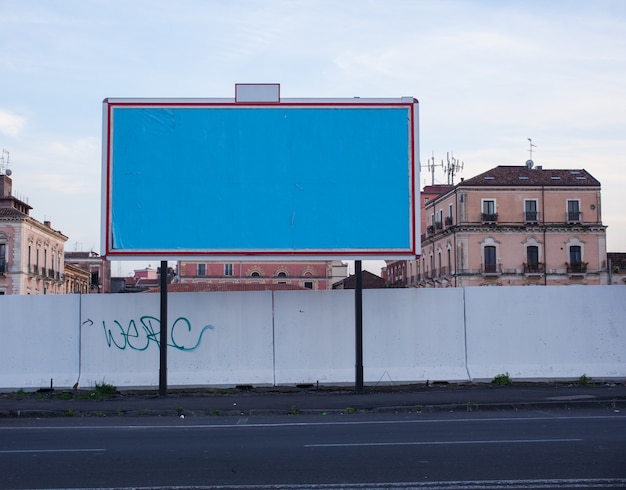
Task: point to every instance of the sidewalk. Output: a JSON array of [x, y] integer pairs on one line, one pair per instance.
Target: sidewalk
[[203, 402]]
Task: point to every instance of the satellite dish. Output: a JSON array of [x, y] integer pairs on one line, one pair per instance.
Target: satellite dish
[[529, 164], [8, 172]]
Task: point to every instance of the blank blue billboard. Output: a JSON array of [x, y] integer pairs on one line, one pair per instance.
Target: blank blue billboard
[[323, 179]]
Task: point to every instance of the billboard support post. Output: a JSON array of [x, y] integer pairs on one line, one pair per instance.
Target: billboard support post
[[358, 316], [163, 332]]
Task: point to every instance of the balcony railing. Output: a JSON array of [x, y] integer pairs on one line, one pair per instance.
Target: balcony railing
[[574, 216], [534, 268], [576, 267], [489, 217], [438, 225], [491, 269], [531, 216], [448, 220], [430, 230]]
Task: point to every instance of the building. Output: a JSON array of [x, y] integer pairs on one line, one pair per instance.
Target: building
[[368, 281], [616, 266], [515, 225], [31, 252], [264, 275], [97, 267], [77, 280], [405, 273]]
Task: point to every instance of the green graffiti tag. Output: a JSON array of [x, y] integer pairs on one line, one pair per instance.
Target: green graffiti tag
[[139, 338]]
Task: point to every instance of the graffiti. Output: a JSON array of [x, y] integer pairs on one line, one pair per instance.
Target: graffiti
[[140, 335]]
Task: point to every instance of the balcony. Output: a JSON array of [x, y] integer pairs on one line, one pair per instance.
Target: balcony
[[430, 230], [448, 220], [574, 216], [576, 268], [438, 225], [534, 268], [489, 217], [531, 217], [491, 269]]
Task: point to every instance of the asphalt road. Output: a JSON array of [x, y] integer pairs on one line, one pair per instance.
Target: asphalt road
[[534, 449]]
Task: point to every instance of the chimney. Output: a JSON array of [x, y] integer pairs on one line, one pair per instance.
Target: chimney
[[47, 223], [6, 185]]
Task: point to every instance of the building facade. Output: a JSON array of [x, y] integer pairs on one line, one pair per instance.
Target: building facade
[[296, 274], [31, 252], [97, 267], [515, 225]]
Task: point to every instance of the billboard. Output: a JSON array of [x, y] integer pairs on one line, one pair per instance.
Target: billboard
[[243, 179]]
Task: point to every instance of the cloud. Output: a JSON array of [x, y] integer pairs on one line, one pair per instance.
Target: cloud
[[11, 124]]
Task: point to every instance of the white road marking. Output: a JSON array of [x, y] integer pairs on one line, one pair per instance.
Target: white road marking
[[18, 451], [191, 424], [442, 443]]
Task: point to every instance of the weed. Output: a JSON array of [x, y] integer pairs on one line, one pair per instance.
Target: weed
[[293, 410], [66, 396], [502, 380], [214, 412], [350, 410], [104, 390], [100, 414], [585, 380], [179, 410], [69, 412]]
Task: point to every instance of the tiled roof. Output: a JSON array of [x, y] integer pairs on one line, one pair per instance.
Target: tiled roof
[[503, 175], [199, 287], [6, 212]]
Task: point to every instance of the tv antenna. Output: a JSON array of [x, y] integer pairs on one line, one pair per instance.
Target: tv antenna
[[530, 149], [4, 163], [453, 166]]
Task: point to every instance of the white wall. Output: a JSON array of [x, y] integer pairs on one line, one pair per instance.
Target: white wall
[[39, 340], [546, 332], [292, 337]]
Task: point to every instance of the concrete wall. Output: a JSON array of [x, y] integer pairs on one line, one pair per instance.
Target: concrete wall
[[292, 337]]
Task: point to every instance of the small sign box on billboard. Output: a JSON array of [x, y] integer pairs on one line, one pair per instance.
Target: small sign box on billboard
[[259, 176]]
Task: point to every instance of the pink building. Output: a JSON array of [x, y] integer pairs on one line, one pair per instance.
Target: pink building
[[296, 275], [31, 252], [515, 225]]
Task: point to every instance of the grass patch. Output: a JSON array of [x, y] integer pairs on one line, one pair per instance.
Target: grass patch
[[585, 380], [293, 410], [502, 380], [104, 390]]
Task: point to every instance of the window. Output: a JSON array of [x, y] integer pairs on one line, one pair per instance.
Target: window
[[449, 217], [202, 269], [308, 284], [3, 260], [573, 210], [575, 254], [576, 264], [490, 258], [228, 269], [530, 210], [532, 259], [255, 274], [489, 210]]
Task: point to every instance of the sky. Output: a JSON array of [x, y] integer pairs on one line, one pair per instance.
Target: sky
[[488, 75]]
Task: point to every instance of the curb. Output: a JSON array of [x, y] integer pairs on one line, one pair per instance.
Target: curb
[[615, 404]]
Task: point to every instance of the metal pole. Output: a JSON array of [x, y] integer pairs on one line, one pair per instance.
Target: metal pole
[[163, 332], [358, 316]]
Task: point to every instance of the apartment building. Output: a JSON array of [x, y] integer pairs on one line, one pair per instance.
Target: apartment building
[[515, 225], [31, 252]]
